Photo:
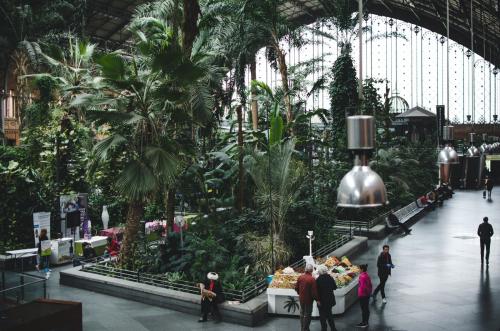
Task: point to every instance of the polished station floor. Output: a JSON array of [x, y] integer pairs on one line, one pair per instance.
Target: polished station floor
[[438, 282]]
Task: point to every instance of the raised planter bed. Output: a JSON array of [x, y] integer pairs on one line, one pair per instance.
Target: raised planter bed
[[250, 313], [286, 301], [251, 310]]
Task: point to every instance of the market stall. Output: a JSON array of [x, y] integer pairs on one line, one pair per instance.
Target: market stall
[[61, 251], [97, 242], [283, 300]]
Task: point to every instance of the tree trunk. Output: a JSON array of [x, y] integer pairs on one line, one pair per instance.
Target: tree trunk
[[170, 209], [175, 22], [190, 24], [134, 216], [241, 177], [255, 109], [284, 82]]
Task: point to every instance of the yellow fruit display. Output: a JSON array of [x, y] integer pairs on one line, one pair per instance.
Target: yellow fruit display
[[341, 270], [346, 261]]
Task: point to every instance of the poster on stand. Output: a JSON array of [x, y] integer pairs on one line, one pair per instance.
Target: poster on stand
[[74, 214], [83, 205], [41, 221]]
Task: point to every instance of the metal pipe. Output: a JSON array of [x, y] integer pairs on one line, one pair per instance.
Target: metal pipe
[[463, 85], [472, 49], [448, 59], [360, 37], [411, 65], [422, 68]]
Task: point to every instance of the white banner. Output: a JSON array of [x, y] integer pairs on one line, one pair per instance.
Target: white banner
[[41, 221]]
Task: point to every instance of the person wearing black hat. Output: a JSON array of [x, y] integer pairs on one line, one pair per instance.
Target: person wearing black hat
[[485, 232], [211, 296]]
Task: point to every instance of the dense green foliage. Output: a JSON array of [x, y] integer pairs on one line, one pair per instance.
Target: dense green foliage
[[140, 131], [344, 100]]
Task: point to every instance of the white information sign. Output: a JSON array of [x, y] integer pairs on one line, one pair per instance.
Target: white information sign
[[41, 221]]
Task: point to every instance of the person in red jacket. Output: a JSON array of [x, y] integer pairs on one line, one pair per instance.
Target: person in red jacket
[[364, 292], [308, 292], [112, 248]]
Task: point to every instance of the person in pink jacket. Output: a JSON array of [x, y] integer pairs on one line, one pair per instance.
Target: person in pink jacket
[[364, 292]]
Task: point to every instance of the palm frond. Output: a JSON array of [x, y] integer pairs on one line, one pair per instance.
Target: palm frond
[[137, 181], [165, 165], [101, 149]]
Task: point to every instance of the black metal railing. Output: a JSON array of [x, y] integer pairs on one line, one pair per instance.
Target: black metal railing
[[104, 268], [18, 288], [327, 249], [349, 226]]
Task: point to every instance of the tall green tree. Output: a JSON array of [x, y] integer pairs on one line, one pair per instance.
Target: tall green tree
[[149, 100], [344, 100]]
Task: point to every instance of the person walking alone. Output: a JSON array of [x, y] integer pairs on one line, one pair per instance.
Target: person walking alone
[[43, 254], [308, 292], [489, 187], [384, 266], [364, 292], [326, 285], [485, 232]]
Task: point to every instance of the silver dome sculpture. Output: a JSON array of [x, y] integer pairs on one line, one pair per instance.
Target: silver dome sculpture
[[448, 155], [484, 148], [444, 156], [361, 187], [473, 151]]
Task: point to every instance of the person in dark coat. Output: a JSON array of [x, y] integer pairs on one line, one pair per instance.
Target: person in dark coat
[[211, 296], [384, 266], [485, 232], [325, 285]]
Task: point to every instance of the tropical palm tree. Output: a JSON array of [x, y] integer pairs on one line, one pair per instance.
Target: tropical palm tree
[[72, 70], [277, 179], [149, 100], [274, 172], [270, 27]]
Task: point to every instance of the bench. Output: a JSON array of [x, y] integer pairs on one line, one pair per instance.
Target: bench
[[406, 213]]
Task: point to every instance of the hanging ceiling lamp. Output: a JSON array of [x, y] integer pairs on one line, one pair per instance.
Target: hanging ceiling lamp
[[473, 151], [361, 187], [448, 155], [484, 148]]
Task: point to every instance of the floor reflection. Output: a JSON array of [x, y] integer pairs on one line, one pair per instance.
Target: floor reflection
[[486, 304]]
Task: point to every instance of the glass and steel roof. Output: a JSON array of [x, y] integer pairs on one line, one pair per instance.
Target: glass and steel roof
[[106, 20]]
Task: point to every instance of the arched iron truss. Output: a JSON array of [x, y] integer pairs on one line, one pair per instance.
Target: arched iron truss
[[107, 20], [430, 14]]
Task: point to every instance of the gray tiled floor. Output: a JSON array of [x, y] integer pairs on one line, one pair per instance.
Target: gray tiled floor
[[438, 283]]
